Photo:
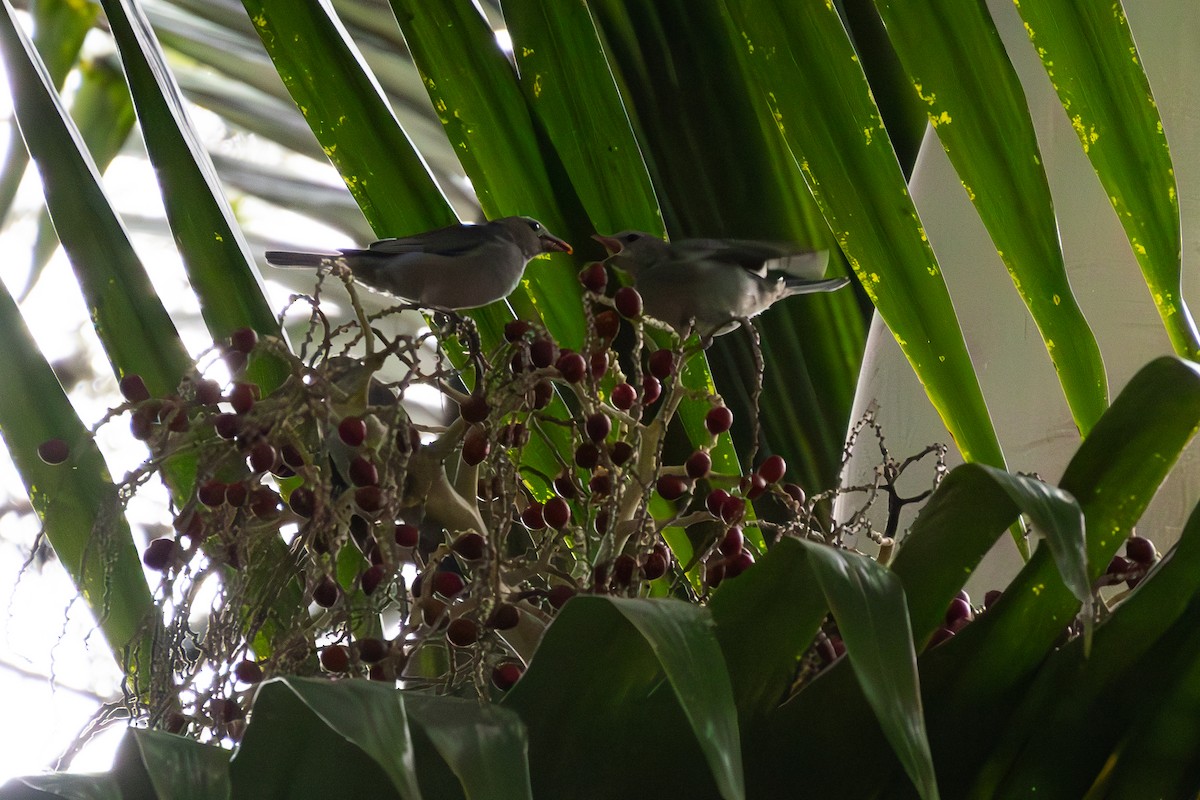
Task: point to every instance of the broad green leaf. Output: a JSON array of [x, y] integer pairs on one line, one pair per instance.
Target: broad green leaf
[[129, 318], [485, 746], [215, 255], [103, 112], [569, 86], [803, 61], [765, 623], [867, 600], [176, 766], [76, 500], [956, 62], [1093, 63], [309, 738], [619, 681], [1073, 715], [1113, 476]]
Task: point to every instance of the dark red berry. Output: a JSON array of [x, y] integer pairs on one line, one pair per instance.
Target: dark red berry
[[572, 367], [715, 500], [654, 567], [518, 363], [474, 408], [739, 564], [600, 483], [470, 546], [534, 516], [372, 577], [732, 543], [718, 420], [235, 360], [448, 584], [236, 494], [53, 451], [161, 554], [302, 501], [335, 658], [264, 502], [243, 396], [607, 325], [714, 572], [227, 426], [352, 431], [141, 424], [565, 486], [599, 364], [475, 446], [542, 353], [793, 491], [506, 675], [369, 499], [363, 472], [1118, 566], [651, 389], [990, 597], [515, 330], [556, 513], [1141, 550], [462, 632], [662, 365], [671, 487], [587, 455], [959, 609], [262, 457], [559, 594], [292, 456], [620, 452], [543, 393], [325, 593], [370, 650], [208, 392], [624, 396], [628, 302], [755, 486], [698, 464], [594, 277], [248, 672], [211, 493], [598, 426], [733, 509], [407, 535], [225, 710], [772, 469], [243, 340], [133, 388], [624, 568], [504, 618]]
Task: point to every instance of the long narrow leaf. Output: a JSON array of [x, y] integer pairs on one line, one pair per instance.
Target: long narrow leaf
[[804, 61], [215, 254], [1090, 56], [957, 63]]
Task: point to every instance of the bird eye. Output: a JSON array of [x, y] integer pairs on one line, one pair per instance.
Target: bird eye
[[631, 238], [535, 225]]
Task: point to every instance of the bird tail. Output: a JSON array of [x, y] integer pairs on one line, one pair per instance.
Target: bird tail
[[798, 286], [288, 258], [808, 266]]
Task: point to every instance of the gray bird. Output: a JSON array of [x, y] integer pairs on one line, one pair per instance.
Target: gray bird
[[456, 267], [715, 282]]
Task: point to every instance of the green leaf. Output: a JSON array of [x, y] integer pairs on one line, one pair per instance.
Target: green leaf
[[956, 61], [1093, 63], [132, 325], [618, 681], [310, 738], [176, 766], [803, 60], [1074, 714], [569, 87], [485, 746], [326, 77], [103, 112], [765, 623], [867, 600], [215, 255], [65, 785]]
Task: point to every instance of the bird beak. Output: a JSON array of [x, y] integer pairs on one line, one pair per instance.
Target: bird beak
[[613, 246], [551, 242]]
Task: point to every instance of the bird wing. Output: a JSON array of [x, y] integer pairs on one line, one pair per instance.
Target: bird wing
[[452, 240]]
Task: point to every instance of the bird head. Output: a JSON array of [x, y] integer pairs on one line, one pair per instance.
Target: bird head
[[636, 248], [531, 236]]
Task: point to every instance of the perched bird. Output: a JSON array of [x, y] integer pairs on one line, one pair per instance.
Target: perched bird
[[456, 267], [713, 283]]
